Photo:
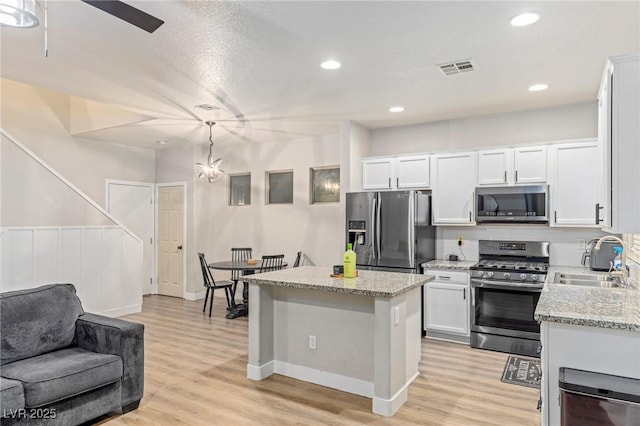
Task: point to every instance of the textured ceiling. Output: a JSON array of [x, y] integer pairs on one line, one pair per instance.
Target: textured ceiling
[[259, 62]]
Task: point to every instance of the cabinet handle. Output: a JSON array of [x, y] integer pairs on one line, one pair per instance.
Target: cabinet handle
[[464, 294], [443, 277], [469, 216], [516, 176], [505, 177], [555, 216], [598, 208], [397, 182], [389, 183]]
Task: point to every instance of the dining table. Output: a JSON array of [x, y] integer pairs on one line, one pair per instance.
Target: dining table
[[240, 309]]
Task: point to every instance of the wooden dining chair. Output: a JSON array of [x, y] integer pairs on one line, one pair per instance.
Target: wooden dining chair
[[296, 263], [272, 262], [238, 254], [211, 285]]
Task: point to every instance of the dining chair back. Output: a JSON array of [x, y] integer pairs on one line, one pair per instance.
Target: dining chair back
[[296, 263], [211, 285], [272, 262], [239, 255]]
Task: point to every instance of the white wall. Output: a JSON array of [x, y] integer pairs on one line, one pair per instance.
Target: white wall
[[39, 119], [508, 129]]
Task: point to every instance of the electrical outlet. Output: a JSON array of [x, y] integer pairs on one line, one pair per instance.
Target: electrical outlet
[[582, 243], [396, 315], [461, 240], [312, 341]]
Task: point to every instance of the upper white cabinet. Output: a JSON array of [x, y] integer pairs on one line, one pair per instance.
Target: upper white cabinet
[[575, 183], [454, 181], [512, 166], [377, 173], [619, 135], [412, 172], [396, 173]]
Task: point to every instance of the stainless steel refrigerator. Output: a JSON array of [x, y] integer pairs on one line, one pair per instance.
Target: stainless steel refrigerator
[[390, 230]]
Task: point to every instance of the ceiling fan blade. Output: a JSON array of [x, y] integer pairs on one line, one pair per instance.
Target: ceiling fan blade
[[128, 14]]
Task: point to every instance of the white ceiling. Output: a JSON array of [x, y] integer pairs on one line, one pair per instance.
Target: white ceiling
[[259, 62]]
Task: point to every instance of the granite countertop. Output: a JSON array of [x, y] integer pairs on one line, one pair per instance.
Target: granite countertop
[[368, 283], [614, 308], [448, 264]]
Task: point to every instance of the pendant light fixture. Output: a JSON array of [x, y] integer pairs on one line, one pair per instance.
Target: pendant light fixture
[[211, 171], [18, 13]]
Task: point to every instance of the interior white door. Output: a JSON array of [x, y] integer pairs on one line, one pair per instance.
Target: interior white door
[[171, 240], [132, 204]]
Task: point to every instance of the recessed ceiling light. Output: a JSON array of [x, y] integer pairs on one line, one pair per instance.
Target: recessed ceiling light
[[163, 142], [396, 109], [524, 19], [331, 65], [538, 87]]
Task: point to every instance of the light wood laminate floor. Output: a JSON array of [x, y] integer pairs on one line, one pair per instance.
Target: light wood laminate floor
[[195, 374]]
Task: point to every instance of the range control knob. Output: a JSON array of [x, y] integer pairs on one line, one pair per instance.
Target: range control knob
[[523, 276], [534, 277], [490, 274], [480, 273], [507, 275]]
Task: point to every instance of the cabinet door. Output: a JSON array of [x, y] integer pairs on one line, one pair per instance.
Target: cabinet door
[[575, 184], [447, 308], [412, 172], [453, 186], [530, 164], [377, 174], [493, 166]]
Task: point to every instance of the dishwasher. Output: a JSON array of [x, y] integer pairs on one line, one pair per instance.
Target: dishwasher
[[596, 399]]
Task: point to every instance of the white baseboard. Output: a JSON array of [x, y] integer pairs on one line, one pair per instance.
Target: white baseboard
[[324, 378], [195, 296], [259, 373], [388, 407], [133, 309]]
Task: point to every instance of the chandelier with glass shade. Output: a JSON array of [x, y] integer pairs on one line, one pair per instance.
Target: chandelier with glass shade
[[210, 171]]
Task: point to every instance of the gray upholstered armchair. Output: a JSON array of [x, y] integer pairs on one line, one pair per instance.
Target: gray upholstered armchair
[[62, 366]]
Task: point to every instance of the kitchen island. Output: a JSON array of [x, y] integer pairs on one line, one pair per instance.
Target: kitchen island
[[586, 328], [359, 335]]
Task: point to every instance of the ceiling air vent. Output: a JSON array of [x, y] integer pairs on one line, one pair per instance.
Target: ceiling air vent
[[457, 67], [207, 107]]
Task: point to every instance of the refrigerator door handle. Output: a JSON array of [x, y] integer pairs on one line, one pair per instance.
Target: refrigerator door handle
[[378, 227], [411, 228], [373, 228]]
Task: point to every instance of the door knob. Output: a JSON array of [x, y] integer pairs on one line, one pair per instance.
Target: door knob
[[179, 247]]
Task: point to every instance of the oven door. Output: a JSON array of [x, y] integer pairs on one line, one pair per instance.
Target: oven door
[[504, 309]]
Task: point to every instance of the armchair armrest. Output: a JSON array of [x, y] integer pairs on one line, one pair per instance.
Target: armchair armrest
[[97, 333]]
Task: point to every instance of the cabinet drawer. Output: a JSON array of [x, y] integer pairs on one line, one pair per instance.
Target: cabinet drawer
[[447, 276]]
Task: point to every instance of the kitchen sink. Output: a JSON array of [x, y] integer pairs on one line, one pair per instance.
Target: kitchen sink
[[603, 281]]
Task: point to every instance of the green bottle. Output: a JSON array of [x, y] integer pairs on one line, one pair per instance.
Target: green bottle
[[349, 262]]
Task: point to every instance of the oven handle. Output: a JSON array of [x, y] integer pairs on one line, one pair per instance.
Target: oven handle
[[504, 285]]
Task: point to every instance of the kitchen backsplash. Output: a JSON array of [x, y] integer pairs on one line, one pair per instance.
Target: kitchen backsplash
[[566, 248]]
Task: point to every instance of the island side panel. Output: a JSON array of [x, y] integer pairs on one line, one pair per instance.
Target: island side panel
[[261, 332], [343, 326], [397, 350]]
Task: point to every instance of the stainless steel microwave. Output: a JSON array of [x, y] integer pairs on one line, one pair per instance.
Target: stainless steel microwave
[[511, 204]]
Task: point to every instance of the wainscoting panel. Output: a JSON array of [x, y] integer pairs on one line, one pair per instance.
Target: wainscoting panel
[[103, 262]]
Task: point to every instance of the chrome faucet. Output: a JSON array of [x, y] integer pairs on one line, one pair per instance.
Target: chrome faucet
[[621, 273]]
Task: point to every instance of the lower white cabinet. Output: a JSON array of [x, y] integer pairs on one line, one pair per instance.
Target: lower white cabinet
[[446, 305]]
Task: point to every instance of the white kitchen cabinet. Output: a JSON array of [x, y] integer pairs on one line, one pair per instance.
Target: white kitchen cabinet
[[512, 166], [412, 172], [530, 165], [404, 172], [446, 305], [453, 185], [377, 173], [619, 136], [575, 183], [599, 350], [494, 166]]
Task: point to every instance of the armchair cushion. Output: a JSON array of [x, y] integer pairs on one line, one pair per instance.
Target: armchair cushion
[[11, 396], [61, 374], [37, 320]]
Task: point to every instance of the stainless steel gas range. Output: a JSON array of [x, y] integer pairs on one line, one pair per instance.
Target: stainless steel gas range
[[505, 288]]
